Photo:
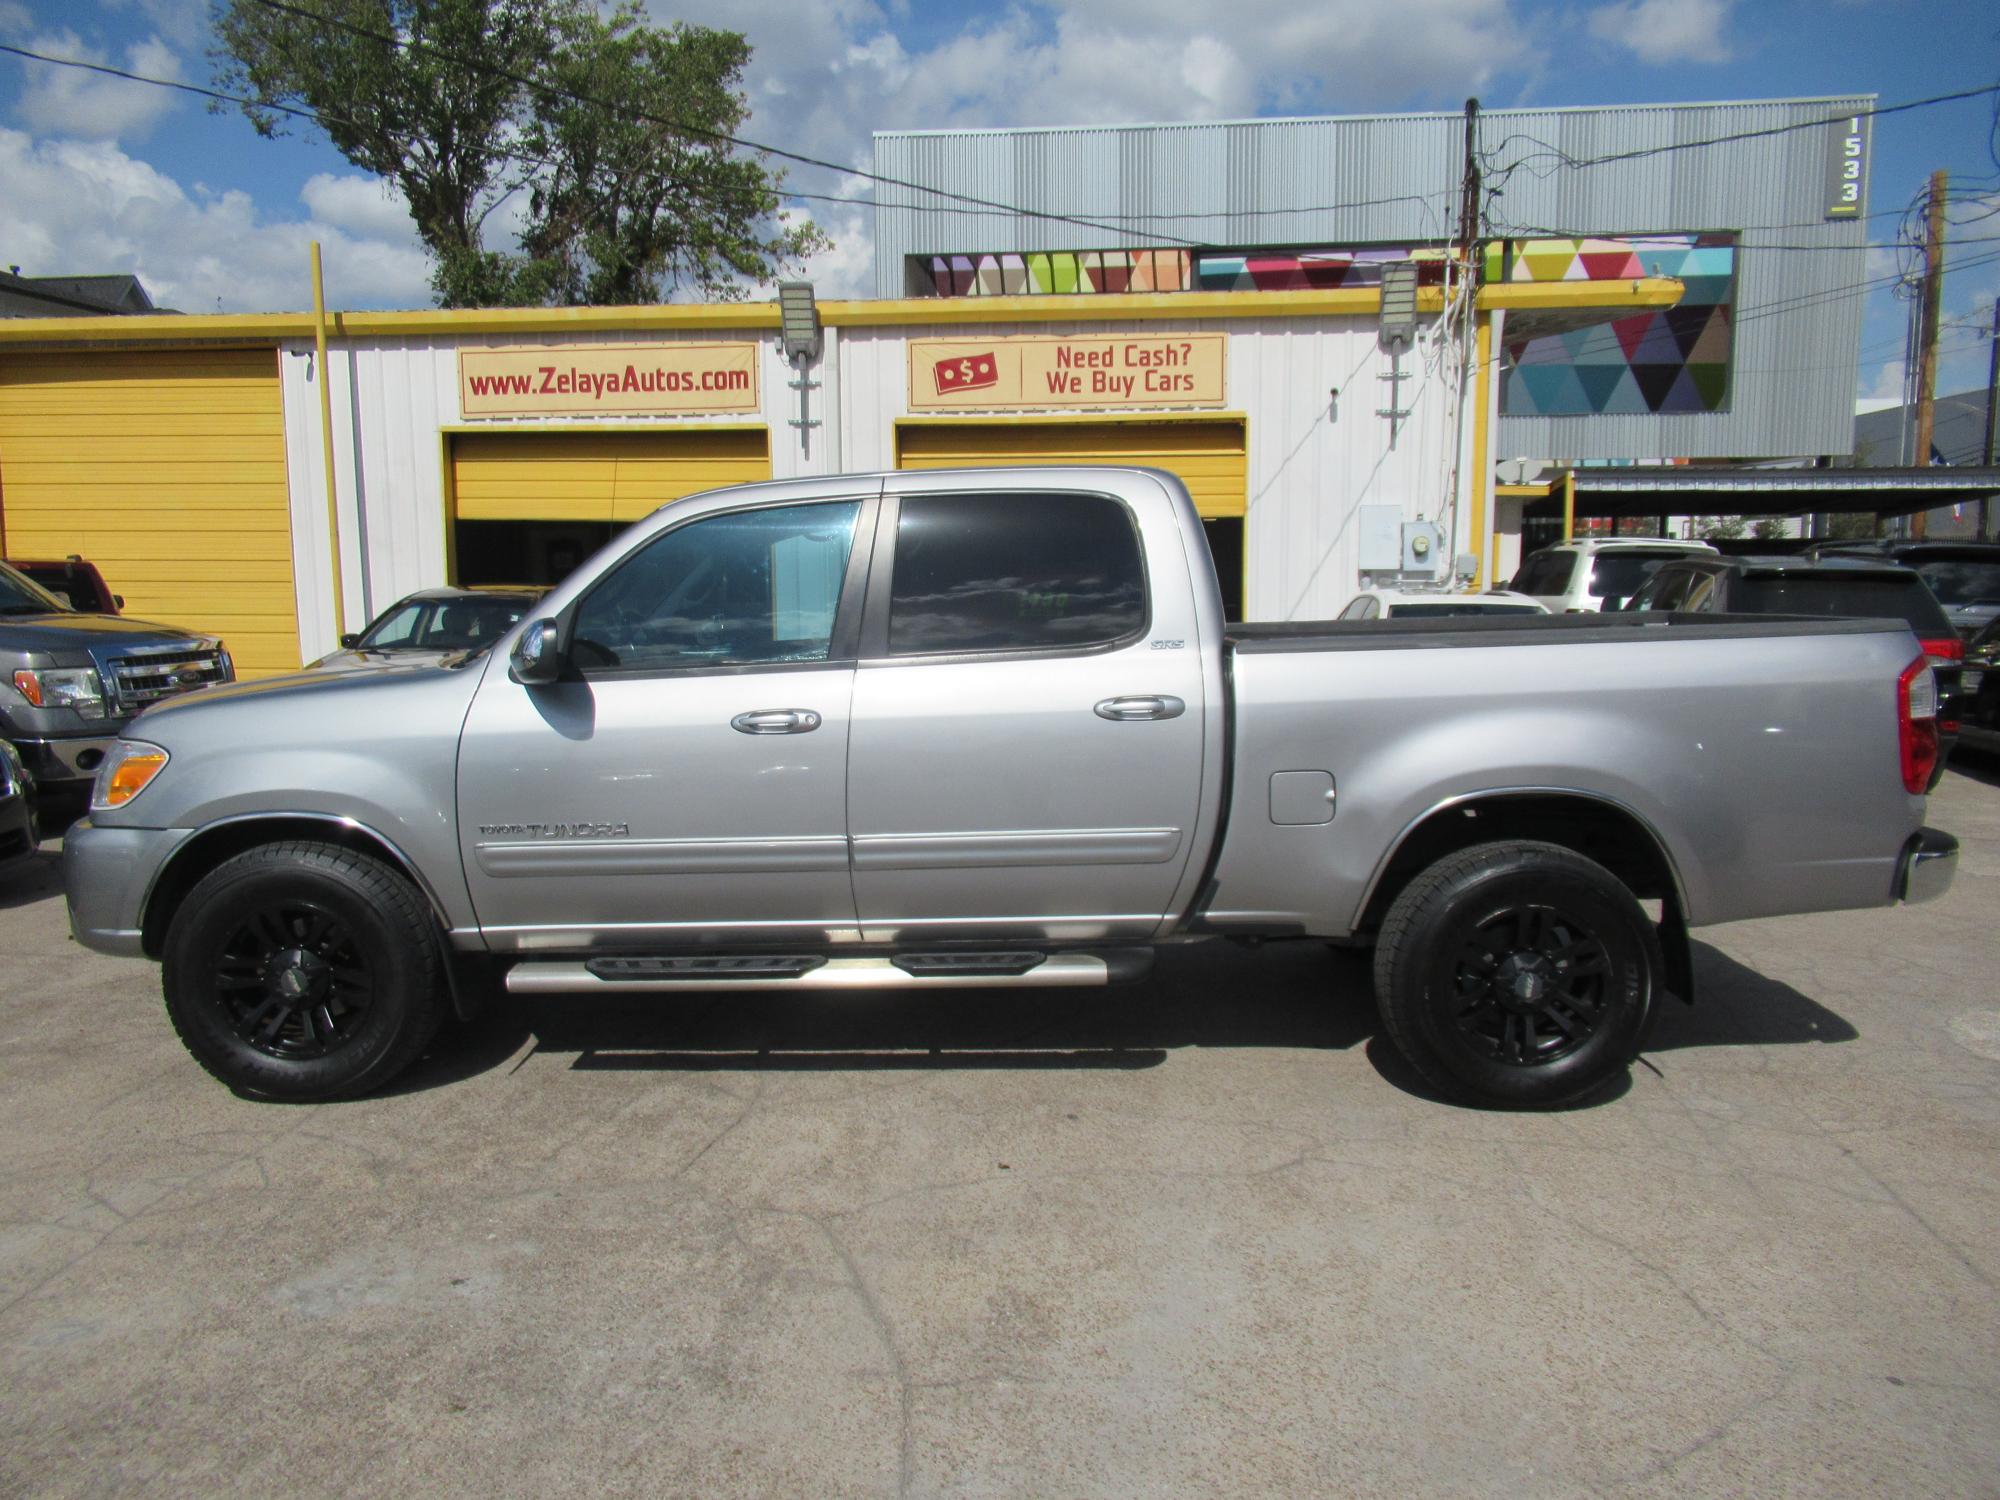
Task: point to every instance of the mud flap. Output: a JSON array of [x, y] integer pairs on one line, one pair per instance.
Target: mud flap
[[1676, 951]]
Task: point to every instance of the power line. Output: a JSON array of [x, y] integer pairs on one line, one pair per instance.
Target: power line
[[1564, 159]]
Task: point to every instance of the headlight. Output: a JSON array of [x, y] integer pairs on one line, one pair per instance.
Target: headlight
[[127, 771], [79, 688]]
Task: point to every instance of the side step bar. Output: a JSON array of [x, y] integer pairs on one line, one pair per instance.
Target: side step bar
[[904, 971]]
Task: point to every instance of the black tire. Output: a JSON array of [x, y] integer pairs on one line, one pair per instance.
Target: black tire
[[1517, 974], [303, 971]]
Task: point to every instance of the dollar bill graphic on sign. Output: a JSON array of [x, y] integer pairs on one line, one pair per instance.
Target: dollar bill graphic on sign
[[966, 372]]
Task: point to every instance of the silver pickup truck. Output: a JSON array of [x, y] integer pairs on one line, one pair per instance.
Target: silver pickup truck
[[988, 728]]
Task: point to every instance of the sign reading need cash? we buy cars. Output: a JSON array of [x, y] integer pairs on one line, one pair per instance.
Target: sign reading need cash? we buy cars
[[1042, 372], [608, 379]]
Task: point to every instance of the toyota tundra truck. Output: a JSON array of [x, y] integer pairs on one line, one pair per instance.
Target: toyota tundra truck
[[985, 729]]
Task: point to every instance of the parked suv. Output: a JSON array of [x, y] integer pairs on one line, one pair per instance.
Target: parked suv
[[1841, 586], [1965, 576], [71, 681], [1597, 573]]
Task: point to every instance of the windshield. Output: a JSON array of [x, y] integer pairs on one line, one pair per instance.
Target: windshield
[[20, 595], [457, 624], [1617, 576], [1462, 607], [1904, 599], [1962, 580]]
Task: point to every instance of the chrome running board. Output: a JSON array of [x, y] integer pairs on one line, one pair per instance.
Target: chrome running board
[[901, 972]]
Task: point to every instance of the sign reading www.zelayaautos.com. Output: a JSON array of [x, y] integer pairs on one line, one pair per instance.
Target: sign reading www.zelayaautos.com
[[608, 380]]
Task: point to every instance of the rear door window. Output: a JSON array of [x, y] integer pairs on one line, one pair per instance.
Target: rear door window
[[1019, 572], [1545, 573]]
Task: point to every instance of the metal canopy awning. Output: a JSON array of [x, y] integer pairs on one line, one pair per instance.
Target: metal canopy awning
[[1681, 490]]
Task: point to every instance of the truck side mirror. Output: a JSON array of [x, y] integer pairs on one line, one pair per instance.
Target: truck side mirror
[[349, 641], [537, 655]]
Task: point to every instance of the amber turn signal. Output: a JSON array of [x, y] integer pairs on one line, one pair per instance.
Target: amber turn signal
[[131, 769]]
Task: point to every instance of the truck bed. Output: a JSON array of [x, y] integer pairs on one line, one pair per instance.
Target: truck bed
[[1527, 630]]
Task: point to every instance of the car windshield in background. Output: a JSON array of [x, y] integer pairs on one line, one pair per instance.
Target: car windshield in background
[[1619, 575], [1544, 573], [1446, 607], [21, 595], [1904, 599], [444, 625], [1961, 580]]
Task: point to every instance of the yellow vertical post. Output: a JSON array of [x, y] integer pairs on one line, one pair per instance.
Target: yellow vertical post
[[1482, 400], [326, 439], [1569, 505]]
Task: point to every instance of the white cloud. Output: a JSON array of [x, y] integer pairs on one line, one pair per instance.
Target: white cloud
[[367, 207], [1666, 31], [14, 19], [92, 106], [78, 208]]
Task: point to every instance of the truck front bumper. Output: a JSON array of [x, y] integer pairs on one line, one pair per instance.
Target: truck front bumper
[[65, 764], [1929, 862], [107, 875]]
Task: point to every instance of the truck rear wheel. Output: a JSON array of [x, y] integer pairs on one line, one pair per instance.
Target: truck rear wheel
[[1517, 974], [303, 971]]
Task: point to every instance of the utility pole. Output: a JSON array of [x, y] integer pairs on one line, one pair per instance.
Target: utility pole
[[1927, 333], [1468, 203], [1992, 405]]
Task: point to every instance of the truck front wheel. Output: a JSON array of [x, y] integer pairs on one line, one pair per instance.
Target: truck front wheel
[[303, 971], [1517, 974]]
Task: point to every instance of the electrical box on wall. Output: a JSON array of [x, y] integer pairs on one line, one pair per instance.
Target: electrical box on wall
[[1420, 547], [1380, 531]]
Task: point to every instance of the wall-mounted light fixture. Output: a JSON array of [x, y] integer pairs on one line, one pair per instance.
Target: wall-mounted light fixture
[[798, 320]]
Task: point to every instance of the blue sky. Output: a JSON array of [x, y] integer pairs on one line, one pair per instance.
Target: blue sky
[[104, 176]]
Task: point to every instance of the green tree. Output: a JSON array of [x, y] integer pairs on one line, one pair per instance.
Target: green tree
[[1767, 528], [629, 208], [463, 103], [1723, 529]]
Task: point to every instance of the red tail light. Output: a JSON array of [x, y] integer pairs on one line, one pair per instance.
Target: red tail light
[[1916, 724], [1942, 648]]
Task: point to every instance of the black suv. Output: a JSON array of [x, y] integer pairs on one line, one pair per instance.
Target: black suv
[[1965, 575], [1851, 587]]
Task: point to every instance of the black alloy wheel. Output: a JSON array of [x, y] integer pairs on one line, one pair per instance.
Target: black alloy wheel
[[1517, 974], [294, 980], [1531, 985], [303, 971]]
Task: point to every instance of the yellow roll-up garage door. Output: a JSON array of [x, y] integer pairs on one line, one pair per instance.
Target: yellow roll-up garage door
[[597, 476], [167, 470], [1209, 456]]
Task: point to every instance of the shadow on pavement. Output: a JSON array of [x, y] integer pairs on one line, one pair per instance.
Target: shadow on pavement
[[1296, 995], [36, 880], [1982, 766]]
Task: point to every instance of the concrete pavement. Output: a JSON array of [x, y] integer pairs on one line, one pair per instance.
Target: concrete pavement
[[1201, 1236]]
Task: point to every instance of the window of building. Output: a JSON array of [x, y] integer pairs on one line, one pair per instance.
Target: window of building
[[1020, 572]]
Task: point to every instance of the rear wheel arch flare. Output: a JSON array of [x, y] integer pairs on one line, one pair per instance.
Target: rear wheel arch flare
[[1595, 826]]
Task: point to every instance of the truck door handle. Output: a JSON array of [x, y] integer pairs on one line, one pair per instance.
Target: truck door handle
[[776, 721], [1146, 706]]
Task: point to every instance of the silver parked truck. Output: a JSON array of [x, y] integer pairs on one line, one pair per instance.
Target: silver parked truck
[[981, 729]]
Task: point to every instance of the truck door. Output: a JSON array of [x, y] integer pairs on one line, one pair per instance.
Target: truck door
[[1026, 754], [685, 782]]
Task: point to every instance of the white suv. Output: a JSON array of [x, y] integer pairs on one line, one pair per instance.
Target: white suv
[[1600, 573]]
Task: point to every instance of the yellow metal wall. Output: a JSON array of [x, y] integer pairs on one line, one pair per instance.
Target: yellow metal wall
[[1209, 456], [167, 470], [597, 476]]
